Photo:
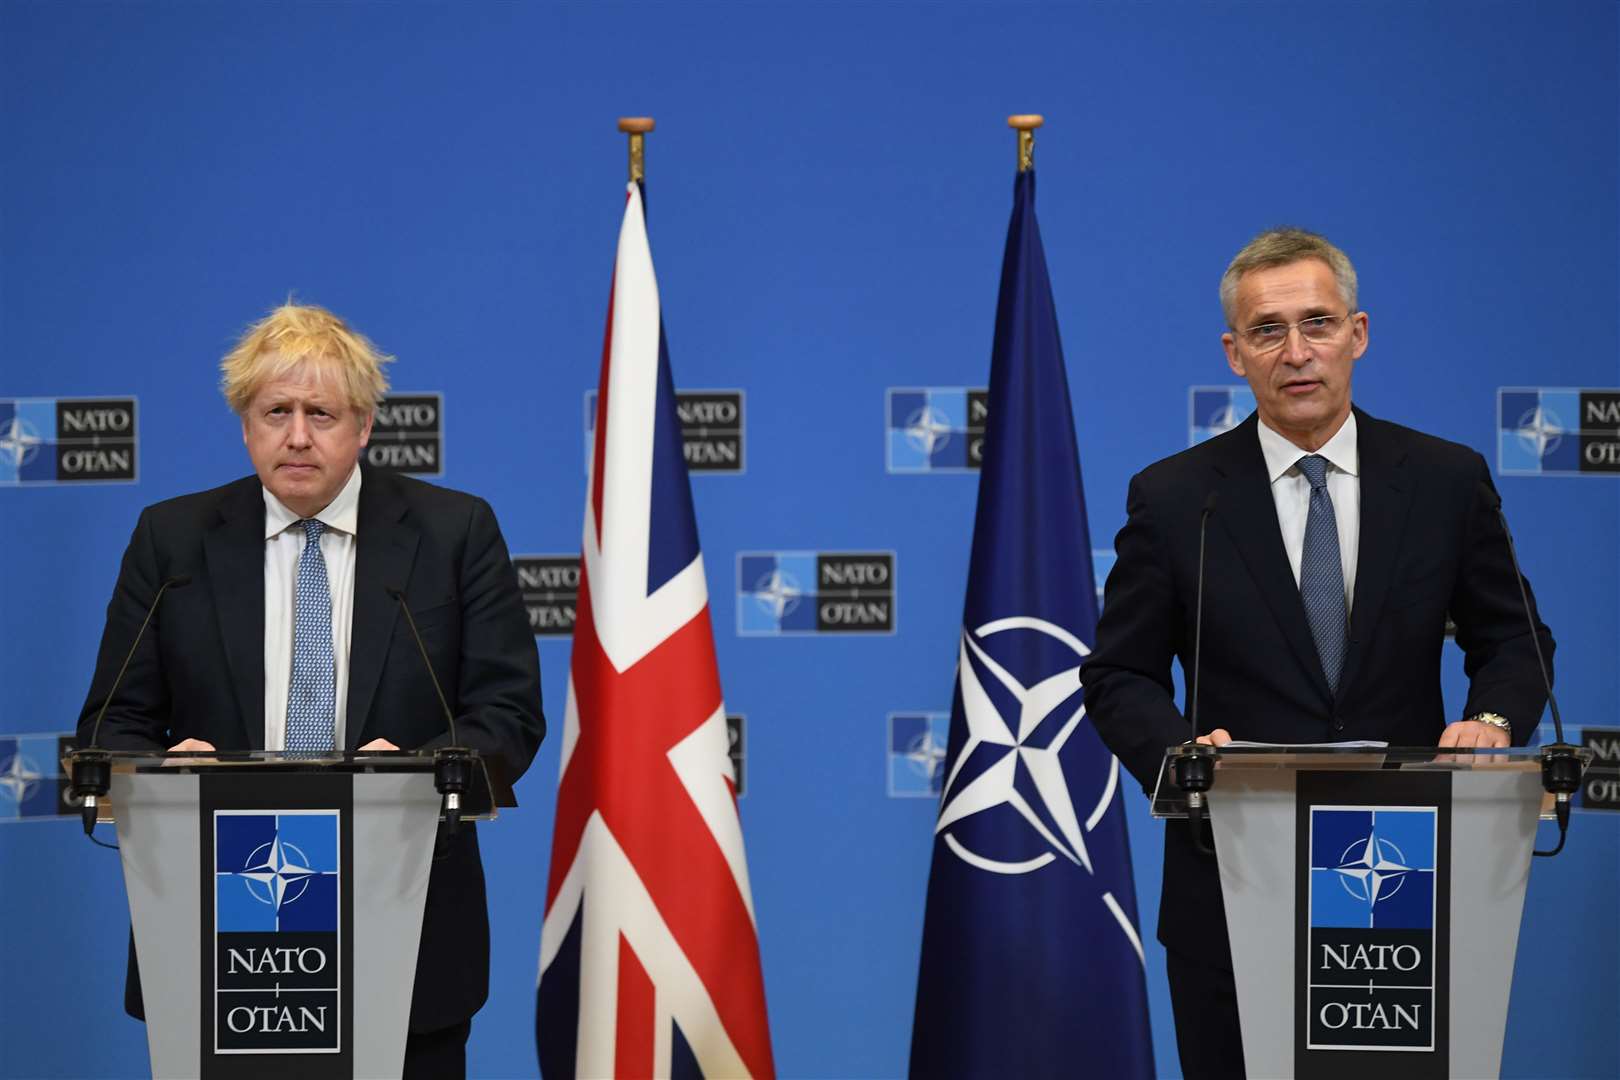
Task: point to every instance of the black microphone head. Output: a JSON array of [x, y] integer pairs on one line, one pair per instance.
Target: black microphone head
[[1488, 494], [395, 592], [1214, 497], [179, 581]]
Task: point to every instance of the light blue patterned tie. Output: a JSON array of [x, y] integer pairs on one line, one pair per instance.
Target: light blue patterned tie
[[1321, 574], [311, 693]]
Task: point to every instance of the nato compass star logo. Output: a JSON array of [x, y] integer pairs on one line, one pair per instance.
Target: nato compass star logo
[[19, 442], [925, 754], [1540, 430], [20, 778], [1225, 419], [928, 429], [778, 592], [1372, 869], [277, 873], [1215, 410], [1012, 760]]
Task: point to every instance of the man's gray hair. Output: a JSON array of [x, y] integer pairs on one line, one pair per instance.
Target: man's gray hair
[[1279, 247]]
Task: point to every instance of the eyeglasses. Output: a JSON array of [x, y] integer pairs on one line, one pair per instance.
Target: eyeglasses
[[1317, 329]]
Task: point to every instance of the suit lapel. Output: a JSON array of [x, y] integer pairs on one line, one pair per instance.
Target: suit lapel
[[234, 550], [384, 553], [1386, 500], [1248, 513]]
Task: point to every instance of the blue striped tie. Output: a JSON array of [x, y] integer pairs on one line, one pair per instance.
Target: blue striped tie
[[1321, 574], [311, 693]]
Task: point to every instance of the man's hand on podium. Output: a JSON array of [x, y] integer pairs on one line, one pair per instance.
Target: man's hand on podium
[[199, 744], [1219, 737], [1474, 733]]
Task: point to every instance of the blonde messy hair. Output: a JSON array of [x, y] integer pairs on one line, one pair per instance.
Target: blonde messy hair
[[296, 334], [1280, 247]]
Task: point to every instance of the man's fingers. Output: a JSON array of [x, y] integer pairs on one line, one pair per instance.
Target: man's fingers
[[190, 744], [1466, 733]]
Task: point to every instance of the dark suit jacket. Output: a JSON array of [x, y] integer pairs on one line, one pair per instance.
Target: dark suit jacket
[[199, 672], [1430, 545]]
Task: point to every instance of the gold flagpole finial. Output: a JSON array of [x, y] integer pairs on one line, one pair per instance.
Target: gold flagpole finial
[[637, 127], [1025, 125]]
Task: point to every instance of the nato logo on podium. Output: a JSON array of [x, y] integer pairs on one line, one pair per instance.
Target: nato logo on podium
[[276, 917]]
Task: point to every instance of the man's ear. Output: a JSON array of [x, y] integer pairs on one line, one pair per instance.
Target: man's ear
[[1358, 326], [365, 427], [1233, 359]]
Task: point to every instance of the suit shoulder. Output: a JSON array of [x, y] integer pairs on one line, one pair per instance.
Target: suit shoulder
[[439, 509], [1431, 451], [201, 505], [433, 498], [1176, 471]]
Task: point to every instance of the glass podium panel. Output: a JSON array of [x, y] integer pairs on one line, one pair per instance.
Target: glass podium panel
[[480, 802], [1170, 802]]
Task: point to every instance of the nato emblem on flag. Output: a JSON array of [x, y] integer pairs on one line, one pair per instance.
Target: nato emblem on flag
[[1030, 929]]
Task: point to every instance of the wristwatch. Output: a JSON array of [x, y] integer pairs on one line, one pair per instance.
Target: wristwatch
[[1492, 719]]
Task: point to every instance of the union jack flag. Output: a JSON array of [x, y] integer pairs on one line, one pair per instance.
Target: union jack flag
[[649, 958]]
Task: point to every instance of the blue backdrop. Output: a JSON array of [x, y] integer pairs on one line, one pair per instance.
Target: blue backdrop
[[829, 190]]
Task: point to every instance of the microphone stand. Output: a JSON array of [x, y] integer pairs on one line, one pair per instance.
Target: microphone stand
[[91, 767], [1561, 764], [1193, 761], [452, 765]]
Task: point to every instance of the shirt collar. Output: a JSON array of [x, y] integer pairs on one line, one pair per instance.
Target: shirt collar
[[342, 513], [1282, 456]]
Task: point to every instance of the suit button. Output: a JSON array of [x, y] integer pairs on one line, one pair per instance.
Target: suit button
[[1338, 725]]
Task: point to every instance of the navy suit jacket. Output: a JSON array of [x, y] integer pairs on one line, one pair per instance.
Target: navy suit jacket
[[1430, 545], [199, 672]]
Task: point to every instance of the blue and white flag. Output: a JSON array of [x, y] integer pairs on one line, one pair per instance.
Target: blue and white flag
[[1031, 960]]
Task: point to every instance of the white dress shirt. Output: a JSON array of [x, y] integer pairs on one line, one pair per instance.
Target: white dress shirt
[[283, 542], [1291, 491]]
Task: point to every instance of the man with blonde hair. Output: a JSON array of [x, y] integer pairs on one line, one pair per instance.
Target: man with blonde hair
[[288, 638], [1336, 547]]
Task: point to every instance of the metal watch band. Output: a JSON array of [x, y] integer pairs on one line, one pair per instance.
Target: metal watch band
[[1494, 720]]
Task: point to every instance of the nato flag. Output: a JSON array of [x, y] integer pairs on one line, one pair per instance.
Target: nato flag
[[1031, 960]]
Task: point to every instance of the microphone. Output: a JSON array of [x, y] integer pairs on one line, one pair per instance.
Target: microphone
[[452, 765], [91, 767], [1194, 762], [1560, 762]]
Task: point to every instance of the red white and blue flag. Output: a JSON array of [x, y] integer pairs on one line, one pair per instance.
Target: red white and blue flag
[[649, 957]]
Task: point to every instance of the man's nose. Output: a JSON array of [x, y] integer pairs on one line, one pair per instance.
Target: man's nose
[[1296, 350], [298, 430]]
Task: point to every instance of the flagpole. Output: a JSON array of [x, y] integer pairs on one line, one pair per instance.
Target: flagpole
[[1025, 125], [637, 127]]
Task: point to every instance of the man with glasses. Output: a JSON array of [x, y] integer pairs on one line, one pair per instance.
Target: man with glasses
[[1336, 547]]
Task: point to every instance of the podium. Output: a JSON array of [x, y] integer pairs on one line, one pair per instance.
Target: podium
[[1373, 899], [276, 902]]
